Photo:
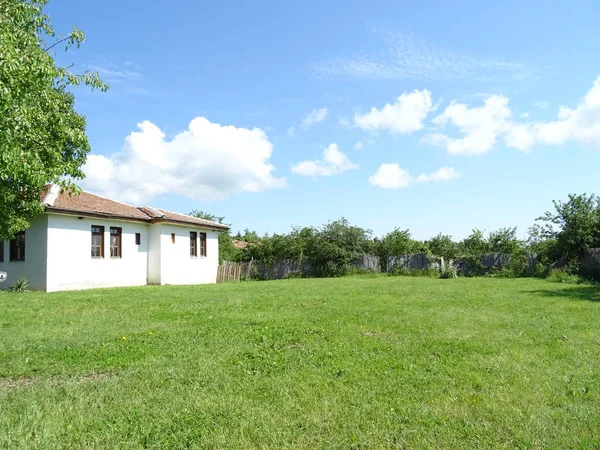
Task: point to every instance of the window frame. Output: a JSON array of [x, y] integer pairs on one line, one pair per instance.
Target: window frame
[[118, 247], [1, 251], [100, 233], [14, 247], [172, 238], [138, 238], [193, 244], [203, 244]]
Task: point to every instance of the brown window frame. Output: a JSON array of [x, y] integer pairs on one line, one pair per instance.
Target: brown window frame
[[100, 246], [194, 244], [115, 250], [138, 238], [203, 244], [172, 238], [17, 247]]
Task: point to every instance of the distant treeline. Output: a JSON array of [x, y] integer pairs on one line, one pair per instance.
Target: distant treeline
[[560, 238]]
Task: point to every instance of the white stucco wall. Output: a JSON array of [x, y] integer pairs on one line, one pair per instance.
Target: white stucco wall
[[176, 264], [34, 266], [154, 240], [71, 266]]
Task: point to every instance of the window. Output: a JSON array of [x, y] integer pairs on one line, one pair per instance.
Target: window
[[202, 244], [172, 238], [1, 251], [97, 241], [115, 242], [17, 247], [138, 238], [193, 243]]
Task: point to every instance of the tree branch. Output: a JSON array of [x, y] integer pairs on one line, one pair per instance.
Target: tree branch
[[56, 43]]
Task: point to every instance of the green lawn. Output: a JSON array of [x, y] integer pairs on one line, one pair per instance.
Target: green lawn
[[361, 362]]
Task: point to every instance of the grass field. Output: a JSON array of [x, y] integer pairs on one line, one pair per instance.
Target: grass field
[[360, 362]]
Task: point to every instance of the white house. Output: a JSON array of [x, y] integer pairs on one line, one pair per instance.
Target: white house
[[89, 241]]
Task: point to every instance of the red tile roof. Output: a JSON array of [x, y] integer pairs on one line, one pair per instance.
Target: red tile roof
[[88, 204]]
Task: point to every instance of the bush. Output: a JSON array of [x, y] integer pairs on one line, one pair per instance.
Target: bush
[[449, 270], [20, 286], [561, 276]]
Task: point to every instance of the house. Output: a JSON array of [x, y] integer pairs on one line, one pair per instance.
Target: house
[[89, 241]]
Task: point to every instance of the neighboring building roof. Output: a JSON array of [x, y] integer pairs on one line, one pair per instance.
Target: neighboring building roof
[[242, 244], [88, 204]]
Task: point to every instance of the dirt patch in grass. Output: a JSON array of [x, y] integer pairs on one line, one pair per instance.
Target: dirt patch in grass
[[8, 384]]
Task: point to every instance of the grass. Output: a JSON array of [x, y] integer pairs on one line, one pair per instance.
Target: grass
[[360, 362]]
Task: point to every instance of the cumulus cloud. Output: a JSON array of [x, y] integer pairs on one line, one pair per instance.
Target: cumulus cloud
[[207, 161], [405, 115], [334, 162], [392, 176], [542, 105], [358, 146], [482, 126], [315, 116]]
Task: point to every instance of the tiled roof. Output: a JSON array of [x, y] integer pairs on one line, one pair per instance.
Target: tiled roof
[[88, 204]]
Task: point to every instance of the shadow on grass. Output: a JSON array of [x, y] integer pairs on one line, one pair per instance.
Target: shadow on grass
[[587, 293]]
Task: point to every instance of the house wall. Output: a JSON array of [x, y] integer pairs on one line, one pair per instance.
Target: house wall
[[71, 266], [34, 266], [176, 264], [154, 253]]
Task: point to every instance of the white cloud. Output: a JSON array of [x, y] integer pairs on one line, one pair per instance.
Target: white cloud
[[291, 131], [344, 121], [358, 146], [334, 162], [207, 161], [116, 74], [405, 115], [392, 176], [406, 56], [542, 105], [315, 116], [524, 115], [442, 174], [482, 126]]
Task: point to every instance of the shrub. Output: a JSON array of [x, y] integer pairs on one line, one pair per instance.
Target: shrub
[[405, 272], [20, 286], [448, 270], [561, 276]]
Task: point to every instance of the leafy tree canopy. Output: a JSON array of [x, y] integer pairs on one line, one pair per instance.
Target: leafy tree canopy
[[42, 138]]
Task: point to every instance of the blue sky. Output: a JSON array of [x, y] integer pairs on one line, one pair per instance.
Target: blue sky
[[423, 115]]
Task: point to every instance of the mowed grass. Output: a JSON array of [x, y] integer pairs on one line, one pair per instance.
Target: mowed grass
[[359, 362]]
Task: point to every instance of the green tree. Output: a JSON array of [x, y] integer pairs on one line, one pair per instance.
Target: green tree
[[42, 138], [504, 241], [442, 245], [574, 226]]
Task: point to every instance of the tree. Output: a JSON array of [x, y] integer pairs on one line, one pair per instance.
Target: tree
[[42, 138], [574, 225], [442, 245]]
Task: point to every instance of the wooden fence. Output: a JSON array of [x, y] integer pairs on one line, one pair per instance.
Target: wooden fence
[[228, 272]]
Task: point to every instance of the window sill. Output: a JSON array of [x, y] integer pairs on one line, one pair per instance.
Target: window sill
[[97, 257]]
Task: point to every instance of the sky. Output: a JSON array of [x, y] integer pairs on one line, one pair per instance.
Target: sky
[[428, 115]]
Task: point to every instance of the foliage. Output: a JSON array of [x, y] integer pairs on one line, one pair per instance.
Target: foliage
[[21, 285], [396, 243], [562, 276], [504, 241], [443, 246], [573, 227], [41, 136], [328, 250], [449, 269]]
